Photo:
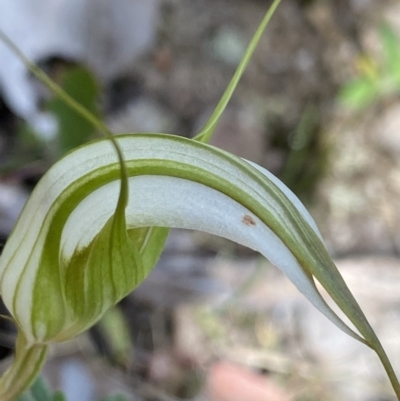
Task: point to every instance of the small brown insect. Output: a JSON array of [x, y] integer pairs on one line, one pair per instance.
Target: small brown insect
[[248, 220]]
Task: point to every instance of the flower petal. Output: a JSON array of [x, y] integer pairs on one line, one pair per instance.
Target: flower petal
[[175, 202]]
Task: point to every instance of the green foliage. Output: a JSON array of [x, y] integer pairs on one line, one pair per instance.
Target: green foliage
[[375, 80], [114, 327], [59, 396], [73, 129], [40, 392]]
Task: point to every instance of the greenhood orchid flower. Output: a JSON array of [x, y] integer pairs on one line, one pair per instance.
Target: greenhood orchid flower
[[78, 247], [96, 224], [82, 253]]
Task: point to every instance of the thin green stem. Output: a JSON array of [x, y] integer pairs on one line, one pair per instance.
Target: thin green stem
[[208, 130], [388, 368], [27, 364]]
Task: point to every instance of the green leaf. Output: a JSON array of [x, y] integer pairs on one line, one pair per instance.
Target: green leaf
[[115, 329], [359, 93], [391, 51], [40, 391], [26, 397], [59, 396], [74, 130]]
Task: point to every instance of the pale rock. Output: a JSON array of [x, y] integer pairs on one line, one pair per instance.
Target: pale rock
[[106, 36], [12, 200], [388, 130], [350, 369], [144, 115]]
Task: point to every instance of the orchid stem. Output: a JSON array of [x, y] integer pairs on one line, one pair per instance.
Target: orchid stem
[[389, 369], [208, 130]]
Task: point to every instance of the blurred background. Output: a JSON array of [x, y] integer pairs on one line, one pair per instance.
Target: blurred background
[[319, 106]]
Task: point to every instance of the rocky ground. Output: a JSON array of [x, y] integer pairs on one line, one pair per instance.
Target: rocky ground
[[213, 315]]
